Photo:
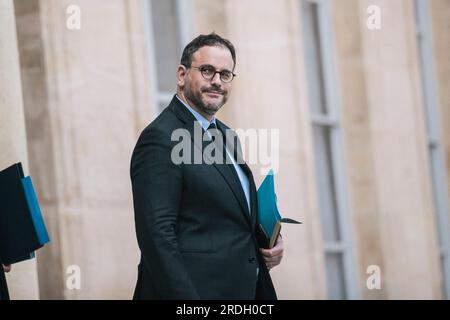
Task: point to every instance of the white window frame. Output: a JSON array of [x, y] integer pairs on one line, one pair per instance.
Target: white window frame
[[185, 18], [332, 120], [436, 154]]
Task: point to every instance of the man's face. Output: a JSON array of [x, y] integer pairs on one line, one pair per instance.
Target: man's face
[[206, 95]]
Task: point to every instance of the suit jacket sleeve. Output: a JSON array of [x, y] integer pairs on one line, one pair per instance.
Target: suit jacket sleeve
[[157, 189]]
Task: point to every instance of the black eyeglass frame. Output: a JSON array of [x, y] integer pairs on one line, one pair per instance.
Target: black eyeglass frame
[[201, 69]]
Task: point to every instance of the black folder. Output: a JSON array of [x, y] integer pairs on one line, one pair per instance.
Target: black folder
[[22, 229]]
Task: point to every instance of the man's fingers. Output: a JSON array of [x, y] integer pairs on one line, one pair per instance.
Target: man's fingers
[[7, 268], [273, 259], [269, 260], [270, 263], [277, 257], [271, 252]]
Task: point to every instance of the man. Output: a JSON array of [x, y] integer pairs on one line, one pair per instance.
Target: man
[[196, 223]]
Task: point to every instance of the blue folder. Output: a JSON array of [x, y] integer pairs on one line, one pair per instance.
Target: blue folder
[[268, 215]]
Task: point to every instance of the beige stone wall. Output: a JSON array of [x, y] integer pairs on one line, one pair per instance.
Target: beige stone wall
[[23, 280], [209, 16], [398, 228], [86, 100], [358, 138]]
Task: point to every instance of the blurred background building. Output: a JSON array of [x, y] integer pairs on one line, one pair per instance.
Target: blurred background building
[[359, 89]]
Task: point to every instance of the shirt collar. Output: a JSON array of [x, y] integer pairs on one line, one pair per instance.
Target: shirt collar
[[203, 121]]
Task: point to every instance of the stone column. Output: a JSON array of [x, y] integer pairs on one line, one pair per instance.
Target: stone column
[[86, 101], [358, 137], [401, 179], [22, 281]]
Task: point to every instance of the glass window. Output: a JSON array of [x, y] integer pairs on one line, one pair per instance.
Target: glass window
[[437, 164], [325, 182], [169, 25], [166, 43], [340, 265], [335, 276], [313, 57]]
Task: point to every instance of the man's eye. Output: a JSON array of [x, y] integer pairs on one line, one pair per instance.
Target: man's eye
[[207, 70], [225, 74]]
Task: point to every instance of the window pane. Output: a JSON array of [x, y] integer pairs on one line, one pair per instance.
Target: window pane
[[313, 59], [436, 152], [166, 43], [325, 183], [444, 276], [335, 276], [435, 172]]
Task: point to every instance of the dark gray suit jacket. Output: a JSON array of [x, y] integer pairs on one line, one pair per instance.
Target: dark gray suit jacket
[[197, 238], [4, 295]]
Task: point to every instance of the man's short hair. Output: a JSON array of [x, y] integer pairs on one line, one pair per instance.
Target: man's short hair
[[210, 40]]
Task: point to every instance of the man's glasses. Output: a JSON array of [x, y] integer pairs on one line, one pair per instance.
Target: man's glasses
[[209, 72]]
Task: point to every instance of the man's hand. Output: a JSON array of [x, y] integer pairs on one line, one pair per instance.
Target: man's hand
[[6, 268], [273, 256]]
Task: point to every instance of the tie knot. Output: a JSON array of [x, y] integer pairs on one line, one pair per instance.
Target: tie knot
[[213, 131]]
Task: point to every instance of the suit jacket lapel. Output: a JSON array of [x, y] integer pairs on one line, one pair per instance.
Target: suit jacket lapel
[[240, 161]]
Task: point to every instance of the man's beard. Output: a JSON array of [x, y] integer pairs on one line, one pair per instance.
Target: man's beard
[[196, 99]]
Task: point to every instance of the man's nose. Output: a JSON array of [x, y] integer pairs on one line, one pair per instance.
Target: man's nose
[[216, 79]]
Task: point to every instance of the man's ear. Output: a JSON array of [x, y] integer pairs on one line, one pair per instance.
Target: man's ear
[[181, 73]]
